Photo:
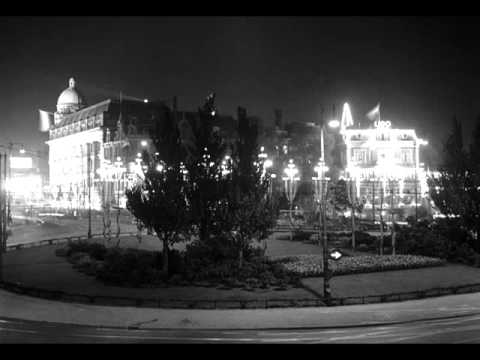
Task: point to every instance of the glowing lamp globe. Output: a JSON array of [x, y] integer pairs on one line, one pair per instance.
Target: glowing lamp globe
[[334, 124]]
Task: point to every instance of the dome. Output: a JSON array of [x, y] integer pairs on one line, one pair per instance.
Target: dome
[[70, 100]]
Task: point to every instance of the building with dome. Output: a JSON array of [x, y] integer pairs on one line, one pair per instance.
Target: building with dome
[[69, 101], [94, 149]]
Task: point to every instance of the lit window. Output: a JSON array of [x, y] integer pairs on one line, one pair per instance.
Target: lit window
[[360, 155]]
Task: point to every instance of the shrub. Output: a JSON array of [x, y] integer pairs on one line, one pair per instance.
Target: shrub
[[62, 252], [215, 262], [75, 257], [367, 242], [216, 250], [95, 250], [445, 239], [134, 267], [254, 273], [300, 235]]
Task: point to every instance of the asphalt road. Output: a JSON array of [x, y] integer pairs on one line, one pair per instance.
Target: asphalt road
[[458, 329]]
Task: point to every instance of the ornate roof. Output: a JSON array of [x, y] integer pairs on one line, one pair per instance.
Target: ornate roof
[[70, 100]]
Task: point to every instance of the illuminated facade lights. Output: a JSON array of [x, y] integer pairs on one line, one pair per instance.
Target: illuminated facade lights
[[384, 159]]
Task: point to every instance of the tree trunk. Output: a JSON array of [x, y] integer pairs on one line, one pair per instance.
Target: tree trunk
[[353, 228], [393, 237], [165, 256], [240, 258]]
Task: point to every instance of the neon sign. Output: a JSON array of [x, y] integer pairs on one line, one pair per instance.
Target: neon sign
[[379, 124]]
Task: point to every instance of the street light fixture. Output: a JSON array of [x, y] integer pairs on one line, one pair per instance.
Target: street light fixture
[[291, 186], [334, 123]]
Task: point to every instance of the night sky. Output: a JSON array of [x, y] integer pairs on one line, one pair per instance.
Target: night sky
[[423, 71]]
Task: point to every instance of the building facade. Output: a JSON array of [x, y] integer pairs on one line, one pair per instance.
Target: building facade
[[94, 151], [384, 165]]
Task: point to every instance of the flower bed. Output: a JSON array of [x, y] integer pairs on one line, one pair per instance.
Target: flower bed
[[312, 265]]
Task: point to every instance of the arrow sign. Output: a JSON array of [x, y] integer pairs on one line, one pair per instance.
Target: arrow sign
[[335, 255]]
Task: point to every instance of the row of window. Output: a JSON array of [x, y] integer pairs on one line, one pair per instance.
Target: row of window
[[364, 156], [382, 137], [77, 126]]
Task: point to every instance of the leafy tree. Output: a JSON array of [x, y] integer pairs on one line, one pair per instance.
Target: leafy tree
[[339, 196], [206, 152], [160, 200], [247, 212], [456, 190]]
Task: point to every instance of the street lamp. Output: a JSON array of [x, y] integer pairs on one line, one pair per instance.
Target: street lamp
[[267, 164], [119, 171], [320, 183], [291, 186], [334, 123]]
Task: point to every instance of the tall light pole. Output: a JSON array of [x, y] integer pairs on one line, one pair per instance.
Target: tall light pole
[[393, 218], [321, 183], [352, 198], [89, 184], [2, 211], [291, 187], [119, 175], [416, 195]]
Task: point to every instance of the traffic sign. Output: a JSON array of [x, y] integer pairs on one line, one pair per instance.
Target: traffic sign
[[335, 254]]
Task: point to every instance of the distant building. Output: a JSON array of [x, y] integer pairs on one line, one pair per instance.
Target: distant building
[[384, 163], [380, 161]]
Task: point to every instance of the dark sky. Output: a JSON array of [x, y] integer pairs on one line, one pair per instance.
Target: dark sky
[[423, 70]]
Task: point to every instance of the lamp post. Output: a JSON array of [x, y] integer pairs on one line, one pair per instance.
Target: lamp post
[[291, 187], [320, 183], [320, 193], [352, 199], [393, 218], [106, 176], [119, 170], [3, 225], [89, 184]]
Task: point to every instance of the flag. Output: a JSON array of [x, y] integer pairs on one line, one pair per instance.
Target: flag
[[45, 120], [347, 119], [374, 114]]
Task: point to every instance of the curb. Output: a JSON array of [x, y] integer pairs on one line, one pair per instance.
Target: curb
[[231, 304], [155, 302], [61, 240]]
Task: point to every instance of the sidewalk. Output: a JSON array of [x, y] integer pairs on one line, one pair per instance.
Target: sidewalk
[[27, 308]]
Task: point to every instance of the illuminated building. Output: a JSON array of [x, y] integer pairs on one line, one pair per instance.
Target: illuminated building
[[382, 160], [25, 180], [94, 150]]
